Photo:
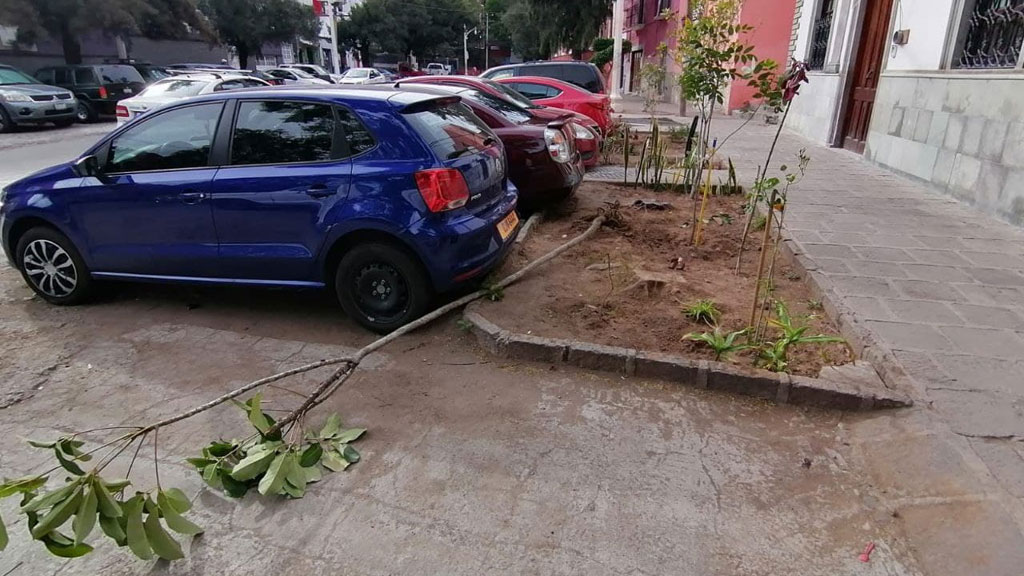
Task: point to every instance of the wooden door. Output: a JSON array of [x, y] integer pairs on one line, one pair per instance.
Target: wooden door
[[867, 69], [636, 62]]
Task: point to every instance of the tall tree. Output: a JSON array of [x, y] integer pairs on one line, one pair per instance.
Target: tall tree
[[249, 24], [542, 25], [407, 27], [67, 20]]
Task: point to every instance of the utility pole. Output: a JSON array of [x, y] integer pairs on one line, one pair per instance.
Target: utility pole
[[335, 12], [617, 24], [487, 38], [465, 46]]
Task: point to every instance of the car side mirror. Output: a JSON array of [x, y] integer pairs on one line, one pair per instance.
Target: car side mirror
[[86, 166]]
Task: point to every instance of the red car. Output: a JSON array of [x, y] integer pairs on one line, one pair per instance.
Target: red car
[[588, 132], [559, 94], [543, 161]]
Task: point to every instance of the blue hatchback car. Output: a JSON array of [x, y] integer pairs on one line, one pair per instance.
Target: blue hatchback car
[[386, 197]]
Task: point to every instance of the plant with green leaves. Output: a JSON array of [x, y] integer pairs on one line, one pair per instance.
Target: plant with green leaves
[[703, 310], [652, 75], [775, 355], [721, 343]]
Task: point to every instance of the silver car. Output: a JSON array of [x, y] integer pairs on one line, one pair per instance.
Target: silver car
[[182, 86], [24, 100]]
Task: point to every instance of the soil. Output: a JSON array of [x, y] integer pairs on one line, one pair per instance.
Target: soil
[[594, 293]]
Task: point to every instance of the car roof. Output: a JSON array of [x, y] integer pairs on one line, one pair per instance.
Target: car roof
[[541, 80], [397, 98]]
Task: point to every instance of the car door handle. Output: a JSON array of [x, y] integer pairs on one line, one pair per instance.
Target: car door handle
[[192, 197], [319, 191]]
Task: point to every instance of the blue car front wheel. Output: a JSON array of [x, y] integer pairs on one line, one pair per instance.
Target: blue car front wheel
[[52, 266], [382, 287]]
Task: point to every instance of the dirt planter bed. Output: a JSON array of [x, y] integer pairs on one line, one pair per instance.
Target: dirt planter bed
[[629, 286]]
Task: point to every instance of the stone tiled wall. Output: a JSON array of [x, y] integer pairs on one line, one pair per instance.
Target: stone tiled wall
[[963, 134], [813, 111]]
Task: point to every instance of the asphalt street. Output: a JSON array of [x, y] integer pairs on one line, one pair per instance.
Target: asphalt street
[[32, 149]]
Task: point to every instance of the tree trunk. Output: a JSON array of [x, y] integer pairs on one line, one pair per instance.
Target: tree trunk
[[72, 48], [243, 57], [365, 55]]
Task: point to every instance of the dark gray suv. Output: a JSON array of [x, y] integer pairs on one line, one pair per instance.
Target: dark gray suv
[[25, 100], [583, 74]]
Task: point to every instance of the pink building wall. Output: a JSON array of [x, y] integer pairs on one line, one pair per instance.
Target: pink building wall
[[772, 21]]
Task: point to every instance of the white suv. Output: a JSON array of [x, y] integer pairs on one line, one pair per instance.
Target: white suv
[[435, 69]]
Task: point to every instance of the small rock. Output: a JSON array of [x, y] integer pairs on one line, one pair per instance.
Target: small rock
[[806, 463]]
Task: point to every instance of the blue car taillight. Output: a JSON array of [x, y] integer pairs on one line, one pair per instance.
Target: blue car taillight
[[442, 189]]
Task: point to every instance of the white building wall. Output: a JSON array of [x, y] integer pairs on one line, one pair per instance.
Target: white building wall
[[929, 22]]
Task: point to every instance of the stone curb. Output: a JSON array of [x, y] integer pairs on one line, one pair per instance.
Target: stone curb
[[779, 388], [864, 342]]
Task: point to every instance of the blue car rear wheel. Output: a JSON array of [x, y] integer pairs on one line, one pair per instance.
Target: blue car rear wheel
[[382, 287]]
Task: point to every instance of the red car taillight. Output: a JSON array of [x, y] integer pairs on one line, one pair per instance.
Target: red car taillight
[[442, 189], [103, 92], [122, 112]]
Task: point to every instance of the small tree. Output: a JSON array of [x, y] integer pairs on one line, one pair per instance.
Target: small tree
[[248, 25]]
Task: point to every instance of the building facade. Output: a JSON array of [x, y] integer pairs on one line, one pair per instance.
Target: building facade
[[930, 88]]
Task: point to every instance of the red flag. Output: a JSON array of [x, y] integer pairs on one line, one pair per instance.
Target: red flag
[[319, 7]]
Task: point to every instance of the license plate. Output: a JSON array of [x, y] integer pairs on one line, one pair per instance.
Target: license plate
[[507, 226], [60, 106], [127, 90]]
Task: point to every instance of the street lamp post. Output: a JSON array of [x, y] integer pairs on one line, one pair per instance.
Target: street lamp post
[[617, 24], [465, 46]]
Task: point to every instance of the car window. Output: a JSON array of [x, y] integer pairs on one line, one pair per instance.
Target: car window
[[536, 91], [499, 74], [119, 74], [546, 70], [174, 140], [181, 87], [510, 93], [84, 76], [353, 73], [509, 110], [281, 74], [581, 76], [228, 85], [278, 132], [450, 129], [62, 76], [251, 83], [357, 137], [10, 76]]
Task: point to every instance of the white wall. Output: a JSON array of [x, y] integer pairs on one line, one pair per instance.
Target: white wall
[[928, 22]]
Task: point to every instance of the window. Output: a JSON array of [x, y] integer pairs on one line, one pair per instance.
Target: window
[[821, 31], [357, 137], [85, 76], [991, 34], [120, 74], [664, 5], [582, 75], [536, 91], [173, 140], [179, 87], [506, 73], [510, 111], [281, 74], [278, 132], [10, 76], [229, 85], [450, 130], [62, 76]]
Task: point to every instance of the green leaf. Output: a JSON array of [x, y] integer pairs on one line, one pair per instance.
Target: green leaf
[[68, 464], [161, 542], [254, 464], [112, 527], [276, 474], [257, 418], [311, 455], [85, 517], [59, 514], [70, 551], [350, 435], [23, 484], [334, 462], [173, 517], [220, 449], [331, 427], [117, 485], [232, 487], [313, 474], [4, 539], [349, 453], [297, 478], [71, 448], [41, 444], [106, 503], [177, 499], [292, 491], [200, 463], [136, 535], [213, 475]]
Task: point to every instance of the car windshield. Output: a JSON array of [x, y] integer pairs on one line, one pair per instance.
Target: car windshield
[[356, 73], [119, 74], [155, 73], [10, 76], [512, 95], [300, 73], [451, 130], [509, 110], [179, 87], [313, 70]]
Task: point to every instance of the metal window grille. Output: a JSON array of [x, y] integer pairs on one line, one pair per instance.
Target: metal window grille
[[994, 35], [821, 31]]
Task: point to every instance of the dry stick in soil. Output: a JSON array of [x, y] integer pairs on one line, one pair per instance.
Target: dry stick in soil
[[760, 265], [753, 198]]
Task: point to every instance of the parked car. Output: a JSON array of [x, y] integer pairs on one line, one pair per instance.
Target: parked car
[[436, 69], [543, 161], [150, 73], [588, 133], [25, 100], [179, 87], [583, 74], [386, 197], [313, 70], [362, 76], [388, 75], [294, 76], [564, 95], [199, 66], [98, 88]]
